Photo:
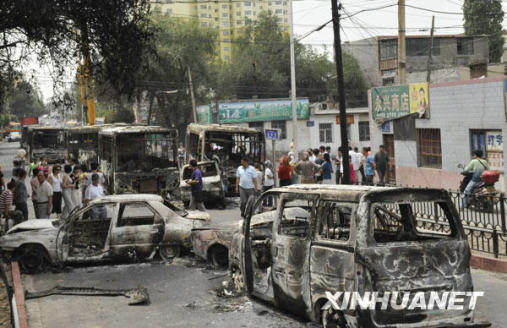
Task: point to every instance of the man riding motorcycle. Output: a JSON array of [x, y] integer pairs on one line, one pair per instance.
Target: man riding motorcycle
[[476, 167]]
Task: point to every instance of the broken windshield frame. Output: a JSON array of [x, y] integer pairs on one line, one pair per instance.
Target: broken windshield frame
[[48, 139]]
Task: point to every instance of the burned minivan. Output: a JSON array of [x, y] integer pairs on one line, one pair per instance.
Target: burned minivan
[[139, 159], [226, 145], [305, 247], [46, 141]]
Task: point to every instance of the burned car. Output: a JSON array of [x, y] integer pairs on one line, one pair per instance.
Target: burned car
[[317, 241], [212, 184], [226, 145], [139, 159], [46, 141], [111, 228]]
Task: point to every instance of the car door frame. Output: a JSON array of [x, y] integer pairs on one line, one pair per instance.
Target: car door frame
[[142, 234], [62, 238]]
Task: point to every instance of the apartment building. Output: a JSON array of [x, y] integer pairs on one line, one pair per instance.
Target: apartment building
[[229, 17]]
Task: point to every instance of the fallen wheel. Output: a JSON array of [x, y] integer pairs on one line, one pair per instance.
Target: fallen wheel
[[168, 253], [31, 258], [219, 256]]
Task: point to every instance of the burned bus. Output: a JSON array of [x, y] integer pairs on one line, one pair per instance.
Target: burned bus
[[47, 142], [225, 144], [83, 143], [139, 159]]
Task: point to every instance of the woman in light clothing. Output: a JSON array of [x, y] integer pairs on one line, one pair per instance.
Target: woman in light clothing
[[55, 180], [67, 188], [77, 194], [327, 170]]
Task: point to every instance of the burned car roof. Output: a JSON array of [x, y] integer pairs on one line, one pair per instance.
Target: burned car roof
[[136, 129], [198, 128], [128, 198], [352, 193]]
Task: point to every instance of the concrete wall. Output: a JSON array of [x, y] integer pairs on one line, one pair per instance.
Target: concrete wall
[[456, 108], [366, 53]]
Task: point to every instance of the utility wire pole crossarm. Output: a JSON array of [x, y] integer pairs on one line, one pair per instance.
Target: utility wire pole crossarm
[[341, 92], [293, 81]]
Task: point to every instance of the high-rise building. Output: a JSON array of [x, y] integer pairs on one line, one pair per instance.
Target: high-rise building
[[229, 17]]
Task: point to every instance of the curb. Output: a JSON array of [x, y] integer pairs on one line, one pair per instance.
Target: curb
[[19, 294], [488, 264]]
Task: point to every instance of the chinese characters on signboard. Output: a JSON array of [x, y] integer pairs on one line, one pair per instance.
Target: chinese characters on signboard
[[262, 110], [494, 150], [350, 119], [396, 101]]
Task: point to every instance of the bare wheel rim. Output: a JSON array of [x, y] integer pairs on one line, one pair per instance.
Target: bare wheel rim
[[169, 252]]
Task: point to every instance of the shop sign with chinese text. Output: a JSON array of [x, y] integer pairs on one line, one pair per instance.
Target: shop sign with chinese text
[[396, 101]]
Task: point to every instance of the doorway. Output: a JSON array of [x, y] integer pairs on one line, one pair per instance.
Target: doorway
[[391, 166]]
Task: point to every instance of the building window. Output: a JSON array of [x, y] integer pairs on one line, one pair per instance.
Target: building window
[[225, 15], [224, 6], [421, 46], [225, 23], [465, 46], [326, 132], [225, 32], [204, 6], [204, 15], [238, 5], [248, 12], [364, 131], [278, 11], [477, 141], [238, 13], [169, 11], [257, 125], [282, 125], [278, 2], [227, 49], [227, 57], [247, 4], [204, 24], [429, 150], [238, 22]]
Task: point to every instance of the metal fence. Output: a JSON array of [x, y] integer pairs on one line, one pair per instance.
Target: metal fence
[[483, 221]]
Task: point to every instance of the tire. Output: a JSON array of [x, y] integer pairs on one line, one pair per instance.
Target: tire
[[32, 259], [219, 256], [168, 253]]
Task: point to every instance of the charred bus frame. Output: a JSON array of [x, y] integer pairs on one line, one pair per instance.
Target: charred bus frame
[[47, 142]]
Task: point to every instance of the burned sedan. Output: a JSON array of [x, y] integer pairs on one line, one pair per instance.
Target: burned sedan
[[118, 227], [318, 243]]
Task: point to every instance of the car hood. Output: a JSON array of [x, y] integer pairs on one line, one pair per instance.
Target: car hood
[[34, 224]]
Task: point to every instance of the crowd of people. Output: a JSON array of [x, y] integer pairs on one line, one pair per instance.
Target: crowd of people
[[55, 190]]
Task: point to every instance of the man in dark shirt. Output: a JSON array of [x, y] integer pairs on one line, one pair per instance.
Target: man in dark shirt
[[195, 182], [381, 160]]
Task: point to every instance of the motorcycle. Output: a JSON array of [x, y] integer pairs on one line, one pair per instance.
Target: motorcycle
[[483, 196]]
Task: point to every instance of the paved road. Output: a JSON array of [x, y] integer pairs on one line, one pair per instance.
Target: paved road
[[183, 294]]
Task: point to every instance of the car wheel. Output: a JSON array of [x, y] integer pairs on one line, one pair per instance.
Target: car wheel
[[333, 319], [237, 279], [32, 259], [219, 256], [167, 253]]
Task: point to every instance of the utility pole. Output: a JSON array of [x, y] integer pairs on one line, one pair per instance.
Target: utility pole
[[401, 41], [341, 91], [293, 82], [428, 76], [191, 85]]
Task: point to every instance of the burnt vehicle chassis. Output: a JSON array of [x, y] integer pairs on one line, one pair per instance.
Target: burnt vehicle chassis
[[45, 141], [139, 159], [225, 144], [353, 239]]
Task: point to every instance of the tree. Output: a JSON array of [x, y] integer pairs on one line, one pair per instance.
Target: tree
[[485, 17], [260, 67], [115, 33], [24, 100]]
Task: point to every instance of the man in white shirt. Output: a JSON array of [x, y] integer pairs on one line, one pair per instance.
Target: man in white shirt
[[93, 191], [44, 202], [88, 179], [355, 158]]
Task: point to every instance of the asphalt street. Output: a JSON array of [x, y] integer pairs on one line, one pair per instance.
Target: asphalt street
[[185, 293]]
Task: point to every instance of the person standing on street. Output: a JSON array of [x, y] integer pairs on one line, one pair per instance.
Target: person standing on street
[[21, 194], [369, 167], [307, 169], [195, 182], [284, 171], [181, 155], [269, 182], [34, 183], [93, 191], [67, 189], [55, 180], [44, 167], [381, 161], [88, 178], [20, 157], [327, 170], [6, 206], [356, 158], [246, 183], [44, 203], [2, 181], [77, 195], [311, 155]]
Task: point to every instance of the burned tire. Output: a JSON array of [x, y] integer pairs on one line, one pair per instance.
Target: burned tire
[[219, 256], [333, 319], [238, 280], [167, 253], [32, 258]]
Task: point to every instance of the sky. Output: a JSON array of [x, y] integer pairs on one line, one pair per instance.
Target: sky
[[309, 14]]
